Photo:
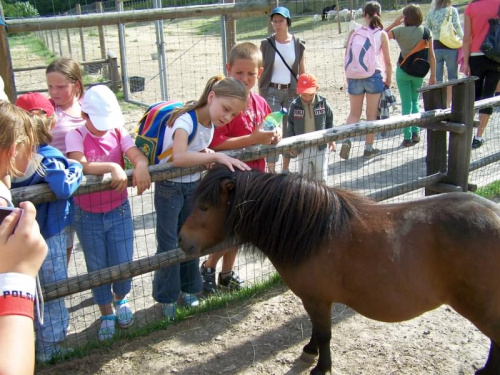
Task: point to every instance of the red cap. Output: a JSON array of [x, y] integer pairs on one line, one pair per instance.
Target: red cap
[[307, 84], [35, 100]]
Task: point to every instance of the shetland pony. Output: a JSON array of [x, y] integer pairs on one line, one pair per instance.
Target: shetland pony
[[389, 262]]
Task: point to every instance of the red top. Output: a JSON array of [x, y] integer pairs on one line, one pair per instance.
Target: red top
[[480, 12], [245, 124]]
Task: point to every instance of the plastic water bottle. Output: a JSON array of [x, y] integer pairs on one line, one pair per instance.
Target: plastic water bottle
[[274, 119]]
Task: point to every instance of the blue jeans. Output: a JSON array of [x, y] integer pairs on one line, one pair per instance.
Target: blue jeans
[[408, 86], [448, 57], [173, 206], [54, 268], [107, 239]]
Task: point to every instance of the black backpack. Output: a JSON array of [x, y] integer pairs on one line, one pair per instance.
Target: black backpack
[[491, 44], [416, 63]]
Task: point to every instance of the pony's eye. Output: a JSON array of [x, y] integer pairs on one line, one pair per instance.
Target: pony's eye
[[203, 207]]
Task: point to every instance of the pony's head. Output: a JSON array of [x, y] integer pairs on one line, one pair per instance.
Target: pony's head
[[205, 227]]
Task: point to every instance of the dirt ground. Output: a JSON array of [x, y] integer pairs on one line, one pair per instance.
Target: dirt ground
[[265, 334]]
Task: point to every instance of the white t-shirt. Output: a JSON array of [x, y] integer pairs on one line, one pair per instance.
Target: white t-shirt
[[200, 142], [281, 74]]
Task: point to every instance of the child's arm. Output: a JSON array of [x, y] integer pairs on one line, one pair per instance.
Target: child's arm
[[62, 181], [118, 175], [329, 124], [257, 137], [140, 178], [184, 158], [387, 58]]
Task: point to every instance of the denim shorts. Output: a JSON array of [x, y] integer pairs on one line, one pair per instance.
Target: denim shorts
[[370, 85]]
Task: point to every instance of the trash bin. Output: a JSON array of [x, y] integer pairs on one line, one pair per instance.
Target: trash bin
[[136, 83]]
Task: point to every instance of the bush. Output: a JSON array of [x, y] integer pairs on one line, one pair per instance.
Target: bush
[[20, 10]]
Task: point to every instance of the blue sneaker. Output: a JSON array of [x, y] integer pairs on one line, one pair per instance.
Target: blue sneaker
[[107, 328], [124, 315], [169, 311], [189, 300]]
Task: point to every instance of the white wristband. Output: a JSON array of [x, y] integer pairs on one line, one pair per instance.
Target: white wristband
[[17, 285]]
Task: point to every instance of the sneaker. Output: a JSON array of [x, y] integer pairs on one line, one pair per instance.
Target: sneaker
[[415, 137], [230, 282], [169, 311], [124, 314], [407, 143], [45, 352], [477, 142], [345, 149], [372, 153], [189, 300], [208, 276], [107, 329]]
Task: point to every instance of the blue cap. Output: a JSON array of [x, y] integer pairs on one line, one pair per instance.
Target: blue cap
[[282, 11]]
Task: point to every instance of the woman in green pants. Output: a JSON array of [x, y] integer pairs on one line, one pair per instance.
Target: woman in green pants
[[407, 29]]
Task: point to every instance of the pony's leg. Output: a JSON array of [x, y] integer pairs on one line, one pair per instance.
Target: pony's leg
[[320, 314], [492, 366]]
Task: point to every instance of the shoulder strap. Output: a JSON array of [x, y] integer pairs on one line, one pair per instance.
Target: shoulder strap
[[192, 113], [294, 75], [422, 44]]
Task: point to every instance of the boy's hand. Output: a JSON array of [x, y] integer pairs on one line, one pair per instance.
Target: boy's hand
[[231, 162], [332, 146], [261, 136], [293, 153], [118, 178], [277, 136], [141, 178]]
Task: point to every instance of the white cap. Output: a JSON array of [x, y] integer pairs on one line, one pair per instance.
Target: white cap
[[100, 104]]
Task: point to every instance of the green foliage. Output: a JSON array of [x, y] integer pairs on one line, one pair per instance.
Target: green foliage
[[20, 10], [490, 191], [34, 45]]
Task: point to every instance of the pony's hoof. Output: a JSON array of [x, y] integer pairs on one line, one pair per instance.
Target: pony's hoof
[[310, 349]]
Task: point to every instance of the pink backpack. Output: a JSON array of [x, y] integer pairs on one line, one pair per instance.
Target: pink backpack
[[360, 58]]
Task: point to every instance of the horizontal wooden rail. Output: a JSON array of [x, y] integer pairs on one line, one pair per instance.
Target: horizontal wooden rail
[[236, 11]]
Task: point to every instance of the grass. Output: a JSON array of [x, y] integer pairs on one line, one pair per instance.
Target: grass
[[490, 191], [32, 44], [211, 303]]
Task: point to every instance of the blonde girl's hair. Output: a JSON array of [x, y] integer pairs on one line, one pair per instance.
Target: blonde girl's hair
[[374, 11], [16, 127], [43, 126], [222, 87], [245, 51], [70, 69]]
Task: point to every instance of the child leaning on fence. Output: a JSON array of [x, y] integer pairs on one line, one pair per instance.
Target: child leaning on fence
[[221, 101], [310, 112], [103, 220], [63, 178], [65, 85], [244, 64]]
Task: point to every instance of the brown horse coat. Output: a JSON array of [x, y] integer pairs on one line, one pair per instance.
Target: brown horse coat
[[389, 262]]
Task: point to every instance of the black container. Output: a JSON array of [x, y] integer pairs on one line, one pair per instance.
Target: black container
[[136, 83]]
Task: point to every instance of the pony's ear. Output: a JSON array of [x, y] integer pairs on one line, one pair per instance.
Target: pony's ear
[[227, 185]]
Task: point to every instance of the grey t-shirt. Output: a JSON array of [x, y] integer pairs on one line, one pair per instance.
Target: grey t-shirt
[[408, 37]]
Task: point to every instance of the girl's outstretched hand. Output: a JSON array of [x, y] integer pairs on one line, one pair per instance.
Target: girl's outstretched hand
[[231, 162], [118, 178]]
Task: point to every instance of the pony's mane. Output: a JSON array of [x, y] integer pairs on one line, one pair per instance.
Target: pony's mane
[[288, 217]]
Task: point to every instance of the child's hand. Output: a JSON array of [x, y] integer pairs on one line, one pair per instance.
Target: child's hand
[[293, 153], [141, 178], [118, 178], [277, 136], [261, 136], [231, 162], [332, 146]]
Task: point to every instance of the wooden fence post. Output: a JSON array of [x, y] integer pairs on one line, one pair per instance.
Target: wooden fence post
[[435, 98], [114, 74], [462, 111], [102, 40], [6, 71], [230, 26], [68, 37], [82, 39]]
